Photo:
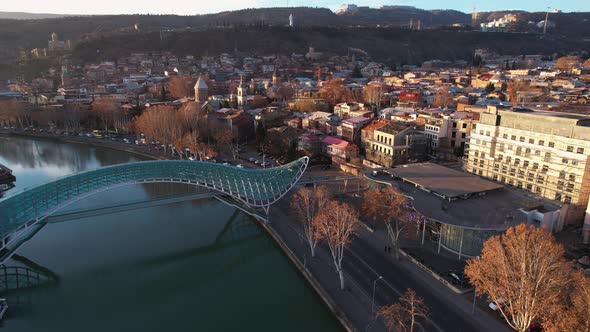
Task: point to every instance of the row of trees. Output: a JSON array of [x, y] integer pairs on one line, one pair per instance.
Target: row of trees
[[334, 223]]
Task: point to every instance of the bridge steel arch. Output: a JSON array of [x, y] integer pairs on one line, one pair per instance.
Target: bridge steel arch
[[254, 187]]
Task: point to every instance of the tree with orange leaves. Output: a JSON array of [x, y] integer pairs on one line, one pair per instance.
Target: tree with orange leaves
[[404, 314], [335, 225], [308, 203], [334, 92], [524, 271], [572, 315], [180, 86], [389, 207]]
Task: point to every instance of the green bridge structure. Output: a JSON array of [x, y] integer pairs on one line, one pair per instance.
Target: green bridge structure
[[23, 213]]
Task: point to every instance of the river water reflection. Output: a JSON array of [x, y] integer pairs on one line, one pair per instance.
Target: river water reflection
[[189, 266]]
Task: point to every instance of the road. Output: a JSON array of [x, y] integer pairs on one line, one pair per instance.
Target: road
[[443, 315]]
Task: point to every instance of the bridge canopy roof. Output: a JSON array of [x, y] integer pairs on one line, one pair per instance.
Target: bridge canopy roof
[[254, 187]]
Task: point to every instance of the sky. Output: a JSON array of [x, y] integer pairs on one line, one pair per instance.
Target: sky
[[191, 7]]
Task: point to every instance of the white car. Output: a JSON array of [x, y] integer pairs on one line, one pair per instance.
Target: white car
[[240, 166], [495, 305]]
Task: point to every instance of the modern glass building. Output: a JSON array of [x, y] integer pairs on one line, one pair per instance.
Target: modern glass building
[[465, 210]]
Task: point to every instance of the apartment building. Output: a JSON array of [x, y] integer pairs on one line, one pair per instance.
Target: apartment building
[[546, 153], [394, 144]]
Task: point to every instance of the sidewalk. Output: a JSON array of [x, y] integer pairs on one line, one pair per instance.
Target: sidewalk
[[353, 305]]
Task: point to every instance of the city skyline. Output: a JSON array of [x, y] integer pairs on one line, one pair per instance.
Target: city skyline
[[185, 7]]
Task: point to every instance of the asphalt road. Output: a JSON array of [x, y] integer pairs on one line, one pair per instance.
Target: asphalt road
[[443, 315]]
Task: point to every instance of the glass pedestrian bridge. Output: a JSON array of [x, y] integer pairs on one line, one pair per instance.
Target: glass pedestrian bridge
[[253, 187]]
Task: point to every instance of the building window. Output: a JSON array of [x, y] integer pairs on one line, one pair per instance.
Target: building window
[[567, 199], [572, 177], [564, 160], [545, 169], [535, 166], [454, 134], [464, 125], [570, 187], [575, 162], [454, 124], [487, 133], [558, 196], [481, 132], [527, 151], [541, 142], [522, 138], [551, 144], [570, 148], [525, 163], [513, 137], [516, 161], [538, 189], [519, 184], [531, 141], [537, 153], [462, 135], [562, 175], [505, 136], [580, 150], [547, 156]]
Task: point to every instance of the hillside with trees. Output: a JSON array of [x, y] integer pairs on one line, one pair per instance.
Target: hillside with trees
[[390, 45]]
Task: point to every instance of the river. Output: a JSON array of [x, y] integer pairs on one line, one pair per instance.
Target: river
[[188, 266]]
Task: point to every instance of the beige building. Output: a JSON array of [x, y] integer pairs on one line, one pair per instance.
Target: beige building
[[394, 144], [543, 152]]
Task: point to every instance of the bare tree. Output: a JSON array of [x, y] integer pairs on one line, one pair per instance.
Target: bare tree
[[159, 122], [404, 314], [442, 97], [180, 86], [522, 270], [389, 207], [373, 93], [308, 204], [334, 92], [572, 315], [335, 225]]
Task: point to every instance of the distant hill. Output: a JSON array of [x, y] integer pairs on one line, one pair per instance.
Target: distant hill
[[28, 16], [402, 15]]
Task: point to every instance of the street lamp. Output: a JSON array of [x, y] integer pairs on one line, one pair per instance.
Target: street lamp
[[373, 298]]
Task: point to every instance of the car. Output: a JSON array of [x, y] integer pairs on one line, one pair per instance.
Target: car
[[240, 166], [90, 135], [457, 277], [251, 159], [496, 304], [258, 162], [126, 140], [374, 173], [265, 164], [226, 164]]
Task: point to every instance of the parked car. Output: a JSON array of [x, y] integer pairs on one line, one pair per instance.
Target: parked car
[[251, 159], [258, 162], [240, 166], [496, 304]]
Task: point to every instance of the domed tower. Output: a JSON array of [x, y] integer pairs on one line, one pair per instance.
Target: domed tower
[[201, 91]]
